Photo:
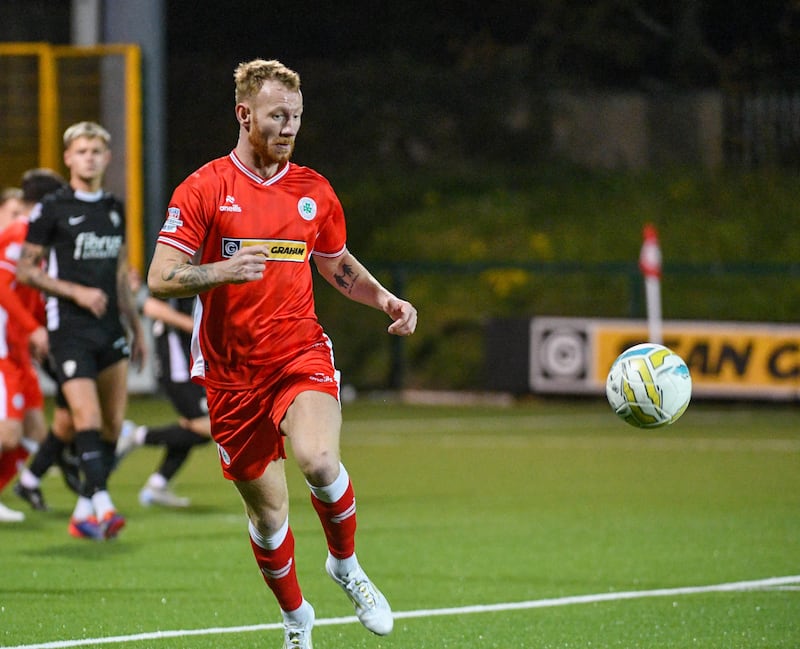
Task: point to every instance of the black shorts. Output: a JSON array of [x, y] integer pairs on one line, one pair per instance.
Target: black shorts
[[188, 399], [84, 354], [50, 370]]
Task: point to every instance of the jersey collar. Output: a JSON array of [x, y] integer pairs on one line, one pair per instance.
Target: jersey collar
[[253, 175], [89, 197]]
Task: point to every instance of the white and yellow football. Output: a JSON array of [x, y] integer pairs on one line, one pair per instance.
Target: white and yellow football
[[649, 386]]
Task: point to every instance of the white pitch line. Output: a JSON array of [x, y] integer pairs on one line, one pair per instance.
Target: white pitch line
[[758, 584]]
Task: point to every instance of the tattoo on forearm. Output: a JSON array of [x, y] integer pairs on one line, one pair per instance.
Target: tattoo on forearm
[[30, 255], [190, 276], [346, 278]]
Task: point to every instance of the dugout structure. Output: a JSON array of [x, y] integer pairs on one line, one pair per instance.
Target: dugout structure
[[44, 88]]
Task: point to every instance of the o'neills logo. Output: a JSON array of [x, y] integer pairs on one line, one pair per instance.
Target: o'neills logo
[[279, 249], [223, 454]]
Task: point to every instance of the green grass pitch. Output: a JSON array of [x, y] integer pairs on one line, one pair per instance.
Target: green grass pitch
[[594, 533]]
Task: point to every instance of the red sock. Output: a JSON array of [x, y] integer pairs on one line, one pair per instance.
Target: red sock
[[9, 459], [339, 522], [278, 569]]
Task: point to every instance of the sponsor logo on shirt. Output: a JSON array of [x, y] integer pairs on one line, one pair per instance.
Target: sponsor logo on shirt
[[76, 220], [279, 249], [230, 205], [321, 377], [88, 245]]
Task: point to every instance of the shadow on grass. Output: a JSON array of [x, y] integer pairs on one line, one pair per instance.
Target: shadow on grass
[[82, 549]]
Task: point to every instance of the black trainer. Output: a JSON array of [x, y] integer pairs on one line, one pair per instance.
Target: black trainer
[[33, 496]]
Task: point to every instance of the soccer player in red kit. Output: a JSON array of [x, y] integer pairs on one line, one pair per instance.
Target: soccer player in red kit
[[21, 330], [240, 233]]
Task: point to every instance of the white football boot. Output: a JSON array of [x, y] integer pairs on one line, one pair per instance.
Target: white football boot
[[297, 627], [8, 515], [372, 609]]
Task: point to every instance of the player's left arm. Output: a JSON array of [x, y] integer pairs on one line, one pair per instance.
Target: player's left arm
[[351, 278], [128, 311]]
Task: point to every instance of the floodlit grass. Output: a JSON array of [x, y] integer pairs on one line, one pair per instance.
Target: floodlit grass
[[457, 507]]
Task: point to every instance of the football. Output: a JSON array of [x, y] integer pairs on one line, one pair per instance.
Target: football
[[649, 386]]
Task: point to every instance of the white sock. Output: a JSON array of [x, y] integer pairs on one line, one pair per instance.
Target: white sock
[[28, 480], [157, 481], [335, 490], [101, 501], [298, 615], [83, 509], [343, 567], [139, 433], [272, 542]]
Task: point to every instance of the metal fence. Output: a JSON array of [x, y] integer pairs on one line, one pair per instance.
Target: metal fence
[[763, 129], [44, 88], [456, 301]]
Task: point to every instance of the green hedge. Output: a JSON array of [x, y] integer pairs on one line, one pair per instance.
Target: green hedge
[[554, 240]]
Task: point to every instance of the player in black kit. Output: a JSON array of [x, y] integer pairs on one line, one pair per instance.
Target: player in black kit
[[172, 334], [91, 313]]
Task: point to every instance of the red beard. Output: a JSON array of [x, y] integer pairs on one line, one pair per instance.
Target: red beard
[[265, 154]]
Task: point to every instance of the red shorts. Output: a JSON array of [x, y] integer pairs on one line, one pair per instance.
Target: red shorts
[[245, 423], [19, 390]]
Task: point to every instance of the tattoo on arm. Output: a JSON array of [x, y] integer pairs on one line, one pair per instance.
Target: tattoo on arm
[[196, 278], [31, 258], [30, 263], [346, 277]]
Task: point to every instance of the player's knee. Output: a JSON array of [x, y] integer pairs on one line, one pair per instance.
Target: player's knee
[[268, 519], [320, 468], [10, 433]]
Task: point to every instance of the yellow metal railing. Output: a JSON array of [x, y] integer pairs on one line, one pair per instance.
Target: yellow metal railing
[[50, 117]]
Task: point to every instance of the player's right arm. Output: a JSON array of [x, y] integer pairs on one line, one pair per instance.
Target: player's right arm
[[30, 272], [172, 273]]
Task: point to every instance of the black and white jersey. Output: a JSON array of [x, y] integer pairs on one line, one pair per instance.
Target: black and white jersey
[[84, 233], [173, 345]]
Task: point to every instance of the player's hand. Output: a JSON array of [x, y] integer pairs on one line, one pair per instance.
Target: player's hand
[[138, 350], [404, 316], [92, 299], [134, 280], [39, 343], [246, 264]]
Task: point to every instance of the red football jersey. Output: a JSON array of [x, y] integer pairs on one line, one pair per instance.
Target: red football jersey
[[21, 306], [241, 329]]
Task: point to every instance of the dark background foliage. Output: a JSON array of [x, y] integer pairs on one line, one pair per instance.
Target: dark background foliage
[[433, 122]]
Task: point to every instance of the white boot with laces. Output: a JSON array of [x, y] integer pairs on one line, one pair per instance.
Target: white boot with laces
[[372, 609], [297, 627]]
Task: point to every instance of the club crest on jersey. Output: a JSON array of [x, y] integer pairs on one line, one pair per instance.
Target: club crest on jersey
[[307, 208], [279, 249], [18, 401], [116, 219]]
